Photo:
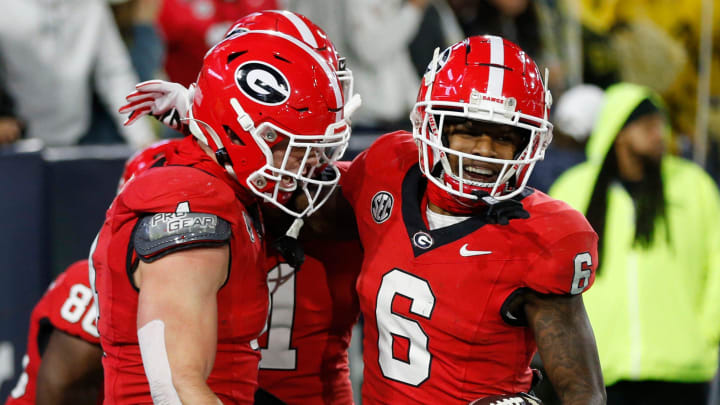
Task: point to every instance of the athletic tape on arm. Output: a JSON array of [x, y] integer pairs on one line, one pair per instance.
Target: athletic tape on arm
[[151, 338]]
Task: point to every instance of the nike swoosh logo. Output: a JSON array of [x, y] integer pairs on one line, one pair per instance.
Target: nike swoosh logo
[[465, 252]]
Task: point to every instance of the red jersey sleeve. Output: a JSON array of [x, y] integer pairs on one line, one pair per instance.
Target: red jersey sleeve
[[567, 261], [71, 307], [178, 208]]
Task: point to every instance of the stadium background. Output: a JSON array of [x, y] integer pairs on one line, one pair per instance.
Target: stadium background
[[54, 198]]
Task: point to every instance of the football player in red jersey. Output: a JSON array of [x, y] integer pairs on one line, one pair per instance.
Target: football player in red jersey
[[466, 271], [304, 351], [480, 126], [62, 363], [179, 264]]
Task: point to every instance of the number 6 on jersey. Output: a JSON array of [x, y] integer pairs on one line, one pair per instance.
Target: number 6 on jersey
[[391, 325]]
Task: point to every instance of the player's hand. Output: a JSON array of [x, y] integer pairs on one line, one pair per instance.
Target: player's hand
[[519, 398], [167, 101], [501, 212]]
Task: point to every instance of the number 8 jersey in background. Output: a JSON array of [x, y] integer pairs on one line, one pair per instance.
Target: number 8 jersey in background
[[66, 306], [438, 329]]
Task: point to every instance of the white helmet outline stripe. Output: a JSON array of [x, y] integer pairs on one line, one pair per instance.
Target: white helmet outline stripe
[[322, 62], [300, 26], [496, 74]]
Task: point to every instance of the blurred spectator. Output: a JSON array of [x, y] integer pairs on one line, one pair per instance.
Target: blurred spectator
[[516, 20], [654, 307], [10, 126], [439, 29], [191, 27], [56, 53], [524, 22], [330, 15], [588, 49], [365, 32], [574, 118], [378, 36], [137, 22], [657, 43]]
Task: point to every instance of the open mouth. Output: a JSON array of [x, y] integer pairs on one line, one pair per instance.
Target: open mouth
[[287, 182], [480, 174]]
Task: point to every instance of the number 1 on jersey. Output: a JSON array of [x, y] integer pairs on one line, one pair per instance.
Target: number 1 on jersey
[[278, 355]]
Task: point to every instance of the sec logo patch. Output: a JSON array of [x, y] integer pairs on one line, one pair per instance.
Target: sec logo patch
[[381, 206]]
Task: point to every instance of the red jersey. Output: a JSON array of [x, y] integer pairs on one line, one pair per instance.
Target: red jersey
[[191, 27], [190, 183], [437, 330], [304, 355], [67, 306]]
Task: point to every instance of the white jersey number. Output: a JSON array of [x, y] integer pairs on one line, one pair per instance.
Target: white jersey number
[[581, 277], [21, 385], [77, 303], [416, 370], [278, 355], [91, 279]]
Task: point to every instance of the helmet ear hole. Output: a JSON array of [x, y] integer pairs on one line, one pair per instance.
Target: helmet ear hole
[[233, 136]]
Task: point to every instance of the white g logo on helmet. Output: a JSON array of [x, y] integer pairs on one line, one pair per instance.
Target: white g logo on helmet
[[262, 83]]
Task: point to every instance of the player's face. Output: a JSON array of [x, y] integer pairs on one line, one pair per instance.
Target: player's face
[[644, 137], [486, 140], [294, 164]]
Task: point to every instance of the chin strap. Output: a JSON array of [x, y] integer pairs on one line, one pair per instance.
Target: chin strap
[[501, 212], [289, 246]]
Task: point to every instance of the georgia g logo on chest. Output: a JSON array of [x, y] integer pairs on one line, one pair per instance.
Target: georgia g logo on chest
[[381, 206]]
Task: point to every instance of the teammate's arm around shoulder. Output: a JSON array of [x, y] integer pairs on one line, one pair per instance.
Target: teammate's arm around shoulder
[[567, 347], [177, 322], [61, 381]]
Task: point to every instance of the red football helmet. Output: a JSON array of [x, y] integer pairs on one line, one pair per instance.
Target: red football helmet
[[144, 159], [264, 92], [483, 78], [298, 26]]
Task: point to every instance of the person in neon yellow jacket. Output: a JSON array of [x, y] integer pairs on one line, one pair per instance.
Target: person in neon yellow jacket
[[655, 306]]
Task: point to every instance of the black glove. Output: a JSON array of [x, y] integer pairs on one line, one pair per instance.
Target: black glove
[[501, 212], [291, 250], [263, 397]]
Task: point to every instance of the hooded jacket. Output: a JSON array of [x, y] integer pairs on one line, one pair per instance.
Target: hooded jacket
[[655, 311]]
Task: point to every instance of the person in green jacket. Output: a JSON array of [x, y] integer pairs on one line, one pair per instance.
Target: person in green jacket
[[655, 306]]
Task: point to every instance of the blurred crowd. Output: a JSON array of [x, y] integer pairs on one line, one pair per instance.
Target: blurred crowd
[[65, 65]]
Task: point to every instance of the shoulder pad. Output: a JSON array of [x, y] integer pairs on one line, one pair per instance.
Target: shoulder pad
[[163, 188], [159, 234]]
